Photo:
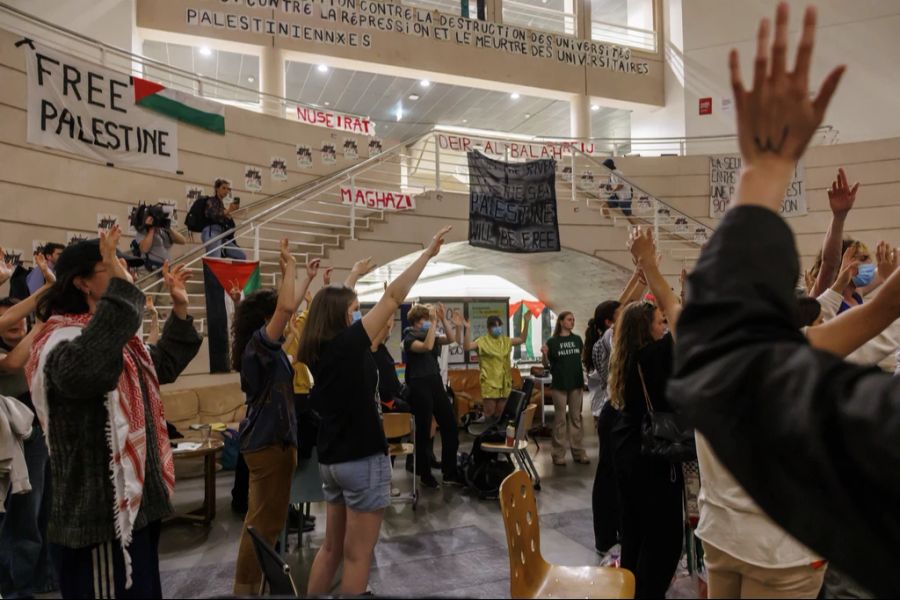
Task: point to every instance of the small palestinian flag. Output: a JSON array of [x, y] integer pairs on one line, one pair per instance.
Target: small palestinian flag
[[179, 105], [220, 276]]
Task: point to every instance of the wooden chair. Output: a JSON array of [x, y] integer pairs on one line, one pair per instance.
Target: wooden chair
[[530, 576], [519, 449], [398, 425]]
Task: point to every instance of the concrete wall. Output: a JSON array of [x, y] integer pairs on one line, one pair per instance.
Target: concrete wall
[[44, 193]]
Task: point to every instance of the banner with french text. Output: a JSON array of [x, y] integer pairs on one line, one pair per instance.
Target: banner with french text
[[724, 172], [512, 206], [85, 109]]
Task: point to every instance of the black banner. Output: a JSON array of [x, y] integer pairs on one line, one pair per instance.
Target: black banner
[[512, 206]]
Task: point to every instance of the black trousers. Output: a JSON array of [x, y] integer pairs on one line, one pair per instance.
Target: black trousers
[[650, 494], [428, 398], [99, 571], [605, 496]]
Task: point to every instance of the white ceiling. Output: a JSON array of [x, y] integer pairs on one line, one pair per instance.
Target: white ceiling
[[379, 96]]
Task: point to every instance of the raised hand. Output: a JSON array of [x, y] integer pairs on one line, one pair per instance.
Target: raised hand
[[312, 268], [176, 281], [286, 260], [41, 261], [776, 118], [457, 319], [642, 248], [849, 268], [437, 241], [149, 305], [441, 310], [841, 196], [886, 260], [326, 275], [363, 267], [109, 241]]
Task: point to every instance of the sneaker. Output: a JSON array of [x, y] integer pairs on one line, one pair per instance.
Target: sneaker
[[429, 481], [453, 481]]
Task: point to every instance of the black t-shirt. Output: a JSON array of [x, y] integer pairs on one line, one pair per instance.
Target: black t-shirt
[[345, 395], [388, 383], [655, 360], [420, 364]]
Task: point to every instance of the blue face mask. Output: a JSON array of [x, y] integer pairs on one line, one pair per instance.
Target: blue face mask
[[356, 316], [865, 276], [496, 331], [425, 326]]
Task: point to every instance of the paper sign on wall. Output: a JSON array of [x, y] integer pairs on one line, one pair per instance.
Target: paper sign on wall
[[252, 178], [376, 147], [12, 256], [724, 171], [329, 153], [351, 149], [88, 110], [73, 237], [333, 120], [304, 156], [278, 168], [705, 106], [105, 221]]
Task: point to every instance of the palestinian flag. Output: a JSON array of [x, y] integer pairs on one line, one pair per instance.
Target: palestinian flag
[[219, 277], [179, 105]]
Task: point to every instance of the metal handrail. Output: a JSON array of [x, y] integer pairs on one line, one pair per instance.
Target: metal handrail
[[266, 215]]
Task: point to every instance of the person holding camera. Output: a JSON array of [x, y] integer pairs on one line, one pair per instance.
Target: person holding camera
[[218, 217], [158, 237]]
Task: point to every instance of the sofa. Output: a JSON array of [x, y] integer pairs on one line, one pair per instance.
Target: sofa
[[466, 385], [222, 403]]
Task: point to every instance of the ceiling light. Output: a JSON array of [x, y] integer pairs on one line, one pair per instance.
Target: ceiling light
[[594, 107], [527, 115], [328, 104], [544, 1], [413, 97], [514, 95], [425, 83], [322, 68], [205, 51], [399, 111], [251, 79], [465, 120]]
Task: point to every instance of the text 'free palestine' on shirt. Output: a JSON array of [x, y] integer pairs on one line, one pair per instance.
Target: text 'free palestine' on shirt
[[564, 353]]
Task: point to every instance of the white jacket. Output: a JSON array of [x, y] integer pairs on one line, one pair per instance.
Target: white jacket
[[15, 427], [875, 351]]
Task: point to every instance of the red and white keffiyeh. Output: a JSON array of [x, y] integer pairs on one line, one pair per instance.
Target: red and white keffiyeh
[[126, 426]]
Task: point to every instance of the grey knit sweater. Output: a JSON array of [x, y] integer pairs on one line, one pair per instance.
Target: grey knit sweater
[[79, 373]]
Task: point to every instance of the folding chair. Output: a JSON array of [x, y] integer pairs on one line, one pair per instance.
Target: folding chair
[[276, 572], [519, 449], [306, 488], [398, 425]]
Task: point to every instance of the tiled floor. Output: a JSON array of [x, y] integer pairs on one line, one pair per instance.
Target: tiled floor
[[453, 544]]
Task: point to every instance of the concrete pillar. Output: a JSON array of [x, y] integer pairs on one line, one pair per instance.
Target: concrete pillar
[[271, 70], [582, 19], [580, 116]]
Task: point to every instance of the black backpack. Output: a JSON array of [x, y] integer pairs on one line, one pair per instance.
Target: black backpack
[[196, 220], [485, 471]]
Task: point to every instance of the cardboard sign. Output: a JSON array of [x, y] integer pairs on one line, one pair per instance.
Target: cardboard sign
[[377, 199]]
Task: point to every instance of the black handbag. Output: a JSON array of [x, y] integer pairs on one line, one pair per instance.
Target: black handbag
[[666, 435]]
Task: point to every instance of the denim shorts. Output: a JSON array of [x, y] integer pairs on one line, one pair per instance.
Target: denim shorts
[[362, 485]]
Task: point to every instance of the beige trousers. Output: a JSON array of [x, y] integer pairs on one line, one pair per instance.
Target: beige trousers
[[570, 420], [730, 577]]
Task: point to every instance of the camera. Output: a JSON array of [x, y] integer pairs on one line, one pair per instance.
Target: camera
[[156, 212]]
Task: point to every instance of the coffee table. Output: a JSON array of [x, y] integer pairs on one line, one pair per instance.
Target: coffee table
[[207, 512]]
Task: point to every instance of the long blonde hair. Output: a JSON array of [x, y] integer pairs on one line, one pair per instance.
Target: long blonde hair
[[633, 331]]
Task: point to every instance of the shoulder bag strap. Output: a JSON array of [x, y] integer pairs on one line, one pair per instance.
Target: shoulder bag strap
[[644, 386]]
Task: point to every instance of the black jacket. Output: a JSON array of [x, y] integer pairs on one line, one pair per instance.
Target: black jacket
[[813, 439]]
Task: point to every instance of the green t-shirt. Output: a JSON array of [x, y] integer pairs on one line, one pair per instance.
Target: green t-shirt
[[493, 362], [565, 362]]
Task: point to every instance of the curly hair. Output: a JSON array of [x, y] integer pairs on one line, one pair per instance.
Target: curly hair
[[634, 330], [418, 312], [249, 316], [596, 327]]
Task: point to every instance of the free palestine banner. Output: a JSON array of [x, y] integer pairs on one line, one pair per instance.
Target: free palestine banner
[[512, 206], [88, 110]]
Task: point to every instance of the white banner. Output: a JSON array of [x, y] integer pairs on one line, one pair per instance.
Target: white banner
[[333, 120], [86, 109], [523, 150], [377, 199], [724, 172]]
